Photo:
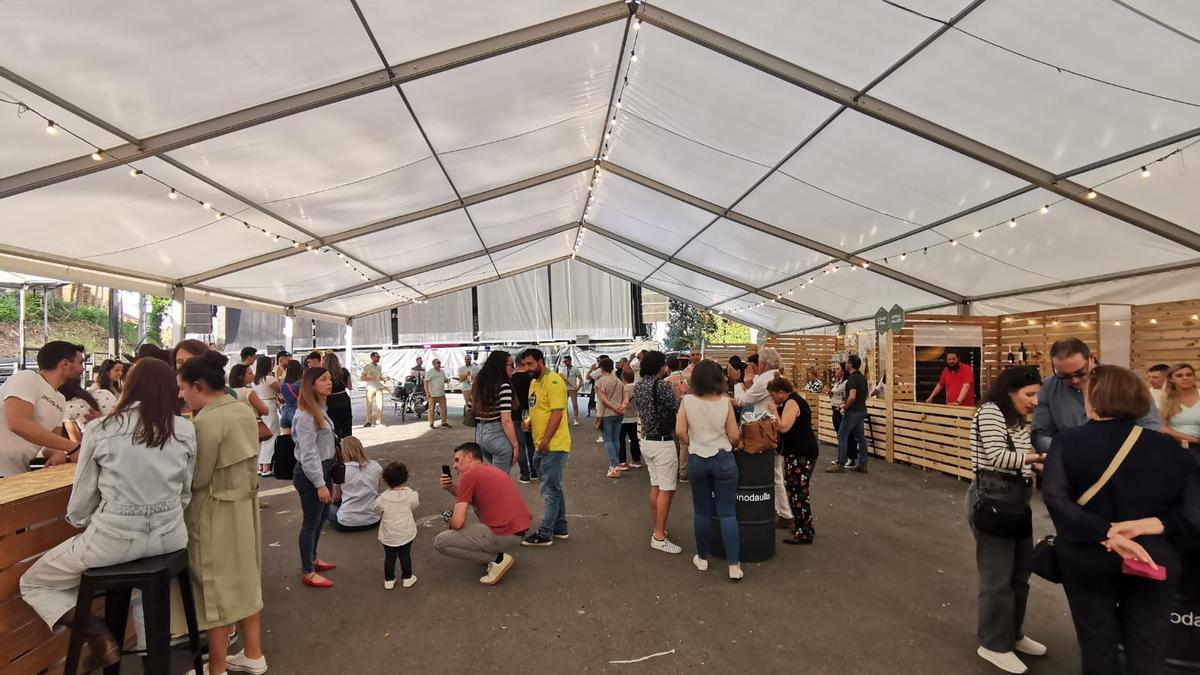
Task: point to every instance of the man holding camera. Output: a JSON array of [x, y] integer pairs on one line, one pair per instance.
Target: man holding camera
[[503, 517]]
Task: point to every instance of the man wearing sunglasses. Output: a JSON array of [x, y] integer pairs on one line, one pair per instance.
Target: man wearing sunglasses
[[1060, 402]]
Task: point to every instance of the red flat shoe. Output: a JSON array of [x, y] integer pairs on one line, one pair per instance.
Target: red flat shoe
[[324, 566], [308, 581]]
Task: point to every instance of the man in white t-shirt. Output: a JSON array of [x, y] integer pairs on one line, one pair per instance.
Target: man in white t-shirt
[[1156, 378], [435, 392], [33, 409], [574, 378], [466, 378]]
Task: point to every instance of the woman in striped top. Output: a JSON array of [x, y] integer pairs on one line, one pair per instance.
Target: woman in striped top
[[492, 400], [1001, 454]]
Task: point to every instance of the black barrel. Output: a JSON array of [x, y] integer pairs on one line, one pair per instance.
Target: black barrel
[[755, 509], [1183, 647]]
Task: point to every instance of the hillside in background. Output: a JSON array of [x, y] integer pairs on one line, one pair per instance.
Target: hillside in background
[[83, 324]]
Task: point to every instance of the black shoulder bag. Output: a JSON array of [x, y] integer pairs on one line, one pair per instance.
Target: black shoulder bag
[[1001, 499]]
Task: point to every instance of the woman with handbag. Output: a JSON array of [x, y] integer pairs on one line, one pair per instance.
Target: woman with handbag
[[1000, 518], [492, 401], [798, 445], [706, 425], [316, 445], [1124, 500]]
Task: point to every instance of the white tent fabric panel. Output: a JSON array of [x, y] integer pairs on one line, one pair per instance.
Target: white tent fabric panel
[[1033, 111], [291, 279], [372, 329], [450, 23], [474, 271], [25, 147], [747, 255], [255, 329], [1005, 258], [522, 113], [329, 334], [691, 286], [547, 248], [589, 302], [446, 318], [1152, 288], [363, 301], [128, 222], [186, 64], [1168, 192], [531, 211], [851, 42], [330, 169], [515, 308], [418, 243], [679, 100], [869, 163], [617, 257], [769, 316], [854, 293], [645, 216]]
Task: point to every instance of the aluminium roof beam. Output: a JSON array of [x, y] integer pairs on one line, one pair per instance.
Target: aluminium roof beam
[[921, 127], [135, 149]]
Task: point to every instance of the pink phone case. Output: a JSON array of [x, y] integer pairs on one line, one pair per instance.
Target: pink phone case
[[1137, 568]]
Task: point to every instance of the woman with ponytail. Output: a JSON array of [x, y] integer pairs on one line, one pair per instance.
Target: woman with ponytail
[[316, 444]]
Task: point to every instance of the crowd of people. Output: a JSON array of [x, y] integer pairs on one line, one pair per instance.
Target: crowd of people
[[170, 449]]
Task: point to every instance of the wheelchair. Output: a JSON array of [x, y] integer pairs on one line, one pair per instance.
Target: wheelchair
[[409, 398]]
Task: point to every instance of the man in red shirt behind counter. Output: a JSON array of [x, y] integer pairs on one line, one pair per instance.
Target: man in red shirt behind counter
[[958, 381]]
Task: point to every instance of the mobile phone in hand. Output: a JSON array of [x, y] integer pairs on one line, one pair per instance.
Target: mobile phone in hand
[[446, 470], [1137, 568]]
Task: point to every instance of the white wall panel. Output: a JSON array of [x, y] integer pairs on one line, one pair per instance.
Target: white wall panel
[[446, 318], [532, 210], [330, 169], [416, 244], [747, 255], [1053, 119], [587, 301], [515, 308], [645, 216], [151, 67]]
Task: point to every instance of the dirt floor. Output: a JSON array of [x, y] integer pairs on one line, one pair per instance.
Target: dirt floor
[[889, 586]]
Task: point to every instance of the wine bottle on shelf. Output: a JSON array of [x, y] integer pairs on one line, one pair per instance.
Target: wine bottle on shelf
[[1024, 354], [1011, 357]]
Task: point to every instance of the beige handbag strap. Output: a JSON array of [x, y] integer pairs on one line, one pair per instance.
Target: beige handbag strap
[[1134, 434]]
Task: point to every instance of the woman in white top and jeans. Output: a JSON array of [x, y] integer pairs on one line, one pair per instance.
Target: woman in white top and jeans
[[706, 424], [1001, 456]]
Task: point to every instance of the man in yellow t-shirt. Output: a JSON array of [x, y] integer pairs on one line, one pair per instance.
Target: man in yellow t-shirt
[[547, 412]]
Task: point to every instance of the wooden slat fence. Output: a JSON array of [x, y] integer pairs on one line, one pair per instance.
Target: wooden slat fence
[[1039, 330], [1167, 333]]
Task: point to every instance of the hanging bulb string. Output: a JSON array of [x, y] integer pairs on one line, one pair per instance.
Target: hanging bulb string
[[1034, 59]]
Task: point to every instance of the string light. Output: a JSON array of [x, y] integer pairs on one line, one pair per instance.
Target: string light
[[1091, 194], [1045, 209], [173, 194], [1145, 172], [208, 205], [1012, 222], [633, 57], [637, 24], [977, 234], [135, 172], [51, 128], [97, 155]]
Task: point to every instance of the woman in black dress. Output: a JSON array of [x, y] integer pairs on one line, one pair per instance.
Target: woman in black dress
[[798, 445], [338, 402]]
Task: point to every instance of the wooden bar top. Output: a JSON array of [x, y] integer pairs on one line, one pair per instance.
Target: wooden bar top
[[17, 488]]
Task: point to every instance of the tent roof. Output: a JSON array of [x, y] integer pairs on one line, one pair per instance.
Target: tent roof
[[790, 165]]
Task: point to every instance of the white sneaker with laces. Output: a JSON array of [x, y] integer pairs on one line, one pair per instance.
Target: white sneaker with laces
[[700, 563], [1030, 646], [408, 583], [389, 584], [666, 545], [1006, 661], [240, 663]]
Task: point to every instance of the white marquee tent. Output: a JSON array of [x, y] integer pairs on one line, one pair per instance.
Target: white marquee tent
[[791, 164]]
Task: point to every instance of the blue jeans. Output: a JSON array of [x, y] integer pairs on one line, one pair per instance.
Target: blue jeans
[[332, 517], [527, 458], [315, 513], [497, 451], [852, 426], [610, 429], [714, 488], [554, 519]]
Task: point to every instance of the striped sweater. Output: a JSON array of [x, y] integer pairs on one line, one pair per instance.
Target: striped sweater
[[989, 442]]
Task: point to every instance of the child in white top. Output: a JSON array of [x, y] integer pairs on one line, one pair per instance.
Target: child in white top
[[397, 528]]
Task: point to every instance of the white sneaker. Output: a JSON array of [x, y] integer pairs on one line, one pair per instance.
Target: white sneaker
[[408, 583], [496, 571], [1006, 661], [700, 563], [389, 584], [735, 573], [239, 663], [575, 423], [599, 439], [1031, 647], [666, 545]]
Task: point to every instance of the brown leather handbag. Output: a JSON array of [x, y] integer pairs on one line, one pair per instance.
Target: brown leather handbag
[[759, 436]]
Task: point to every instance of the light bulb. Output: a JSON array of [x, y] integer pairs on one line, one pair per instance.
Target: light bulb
[[618, 103], [135, 172], [866, 265], [266, 234], [637, 24], [98, 156], [1045, 209], [1012, 222], [1091, 194], [173, 194], [1145, 172], [613, 120], [275, 238], [977, 234], [954, 242], [220, 215], [633, 57], [791, 291], [51, 127], [308, 246], [608, 134], [903, 256], [295, 244], [207, 205]]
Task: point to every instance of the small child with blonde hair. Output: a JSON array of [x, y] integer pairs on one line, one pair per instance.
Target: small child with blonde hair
[[397, 529]]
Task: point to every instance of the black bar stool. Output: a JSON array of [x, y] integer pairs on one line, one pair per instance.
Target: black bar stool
[[151, 576]]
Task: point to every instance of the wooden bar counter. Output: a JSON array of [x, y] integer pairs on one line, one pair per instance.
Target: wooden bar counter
[[32, 510]]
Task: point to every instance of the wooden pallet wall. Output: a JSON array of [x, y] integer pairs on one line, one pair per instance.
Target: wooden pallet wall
[[1167, 332], [1039, 330], [721, 353], [801, 352], [905, 359]]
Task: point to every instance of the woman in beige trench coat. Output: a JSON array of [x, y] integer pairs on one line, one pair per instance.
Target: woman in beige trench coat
[[224, 534]]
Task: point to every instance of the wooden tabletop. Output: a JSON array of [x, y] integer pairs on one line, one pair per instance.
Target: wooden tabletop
[[16, 488]]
